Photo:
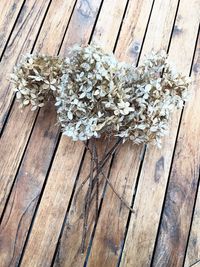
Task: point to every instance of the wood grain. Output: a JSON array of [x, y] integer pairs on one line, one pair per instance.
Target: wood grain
[[69, 249], [14, 139], [26, 191], [151, 188], [193, 252], [179, 203], [109, 234], [9, 10], [15, 136], [53, 206], [190, 132], [81, 24], [111, 13], [133, 30], [38, 207], [30, 178], [75, 258], [108, 241]]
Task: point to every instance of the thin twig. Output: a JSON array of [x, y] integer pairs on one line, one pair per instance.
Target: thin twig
[[193, 264], [111, 186], [116, 193], [97, 180], [94, 180], [88, 200], [95, 190], [101, 165]]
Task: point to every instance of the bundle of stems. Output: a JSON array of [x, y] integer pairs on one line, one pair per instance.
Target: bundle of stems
[[94, 177]]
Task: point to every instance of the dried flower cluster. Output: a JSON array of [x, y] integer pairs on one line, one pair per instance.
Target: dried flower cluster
[[36, 79], [91, 89], [96, 94], [154, 89]]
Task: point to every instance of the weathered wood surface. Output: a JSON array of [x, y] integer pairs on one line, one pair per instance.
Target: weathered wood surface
[[9, 10], [182, 187], [144, 222], [189, 152], [29, 178], [40, 170], [13, 142]]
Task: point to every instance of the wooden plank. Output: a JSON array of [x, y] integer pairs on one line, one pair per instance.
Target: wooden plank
[[56, 22], [193, 249], [14, 139], [15, 136], [81, 24], [26, 192], [21, 42], [189, 136], [108, 241], [133, 30], [30, 178], [40, 257], [179, 203], [110, 229], [9, 10], [70, 254], [151, 188], [52, 209]]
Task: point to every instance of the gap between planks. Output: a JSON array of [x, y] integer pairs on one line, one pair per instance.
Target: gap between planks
[[10, 11]]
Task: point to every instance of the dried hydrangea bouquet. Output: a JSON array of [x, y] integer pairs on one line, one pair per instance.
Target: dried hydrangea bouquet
[[97, 95]]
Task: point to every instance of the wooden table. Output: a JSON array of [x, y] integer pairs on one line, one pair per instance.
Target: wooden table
[[40, 170]]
